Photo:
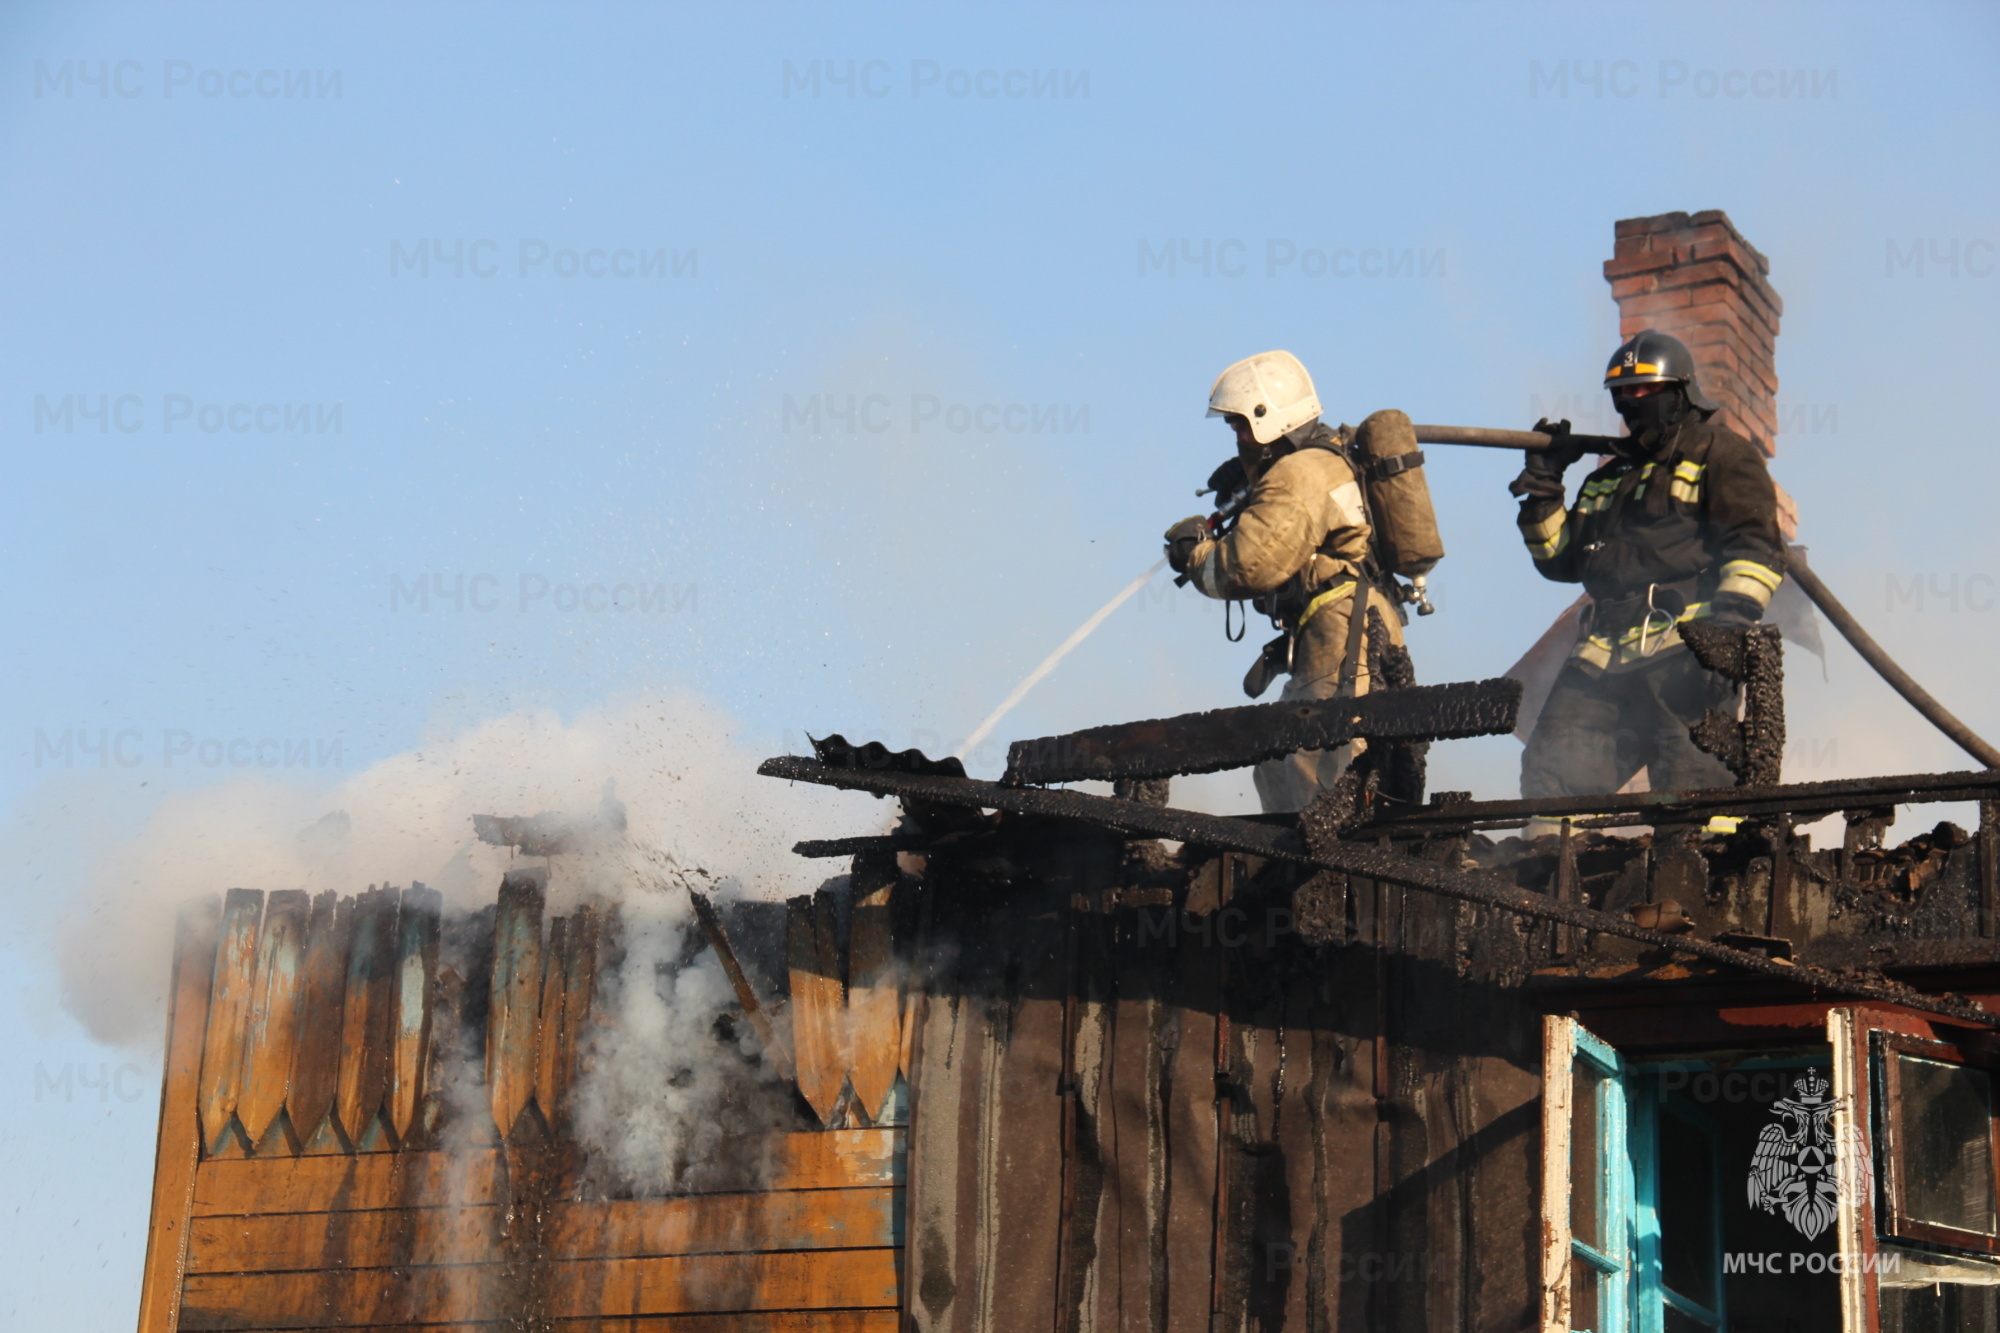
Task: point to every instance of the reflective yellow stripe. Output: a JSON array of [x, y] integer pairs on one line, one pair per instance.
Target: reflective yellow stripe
[[1547, 538], [1596, 495], [1686, 484], [1747, 578], [1601, 650], [1750, 569], [1551, 548], [1642, 368], [1312, 608]]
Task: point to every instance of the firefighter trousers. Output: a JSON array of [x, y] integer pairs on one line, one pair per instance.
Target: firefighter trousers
[[1598, 729]]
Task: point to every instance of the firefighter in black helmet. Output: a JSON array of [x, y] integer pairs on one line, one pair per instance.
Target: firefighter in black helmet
[[1680, 524]]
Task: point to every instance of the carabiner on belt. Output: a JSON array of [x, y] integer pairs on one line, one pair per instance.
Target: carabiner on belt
[[1646, 626]]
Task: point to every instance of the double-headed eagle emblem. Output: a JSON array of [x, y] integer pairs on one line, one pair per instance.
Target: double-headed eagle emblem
[[1793, 1170]]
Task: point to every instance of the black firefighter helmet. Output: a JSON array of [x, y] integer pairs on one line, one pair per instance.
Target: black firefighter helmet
[[1652, 357]]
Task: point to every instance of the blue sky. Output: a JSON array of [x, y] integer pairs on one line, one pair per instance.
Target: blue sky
[[557, 287]]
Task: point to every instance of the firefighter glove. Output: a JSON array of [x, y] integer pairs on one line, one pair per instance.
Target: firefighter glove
[[1182, 538], [1541, 479], [1734, 611]]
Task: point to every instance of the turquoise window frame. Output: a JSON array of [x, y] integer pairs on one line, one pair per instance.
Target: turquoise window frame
[[1615, 1182], [1652, 1293]]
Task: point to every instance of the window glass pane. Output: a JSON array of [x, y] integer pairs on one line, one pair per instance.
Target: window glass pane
[[1945, 1307], [1687, 1210], [1676, 1322], [1585, 1289], [1586, 1165], [1944, 1132]]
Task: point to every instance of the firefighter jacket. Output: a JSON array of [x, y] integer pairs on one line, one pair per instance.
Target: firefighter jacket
[[1656, 538], [1297, 548]]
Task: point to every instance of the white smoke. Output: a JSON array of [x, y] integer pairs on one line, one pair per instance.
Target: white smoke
[[691, 797], [662, 1089]]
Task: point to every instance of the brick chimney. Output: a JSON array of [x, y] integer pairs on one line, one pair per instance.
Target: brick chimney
[[1694, 276]]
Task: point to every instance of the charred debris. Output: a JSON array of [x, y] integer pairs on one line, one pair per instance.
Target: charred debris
[[1695, 888]]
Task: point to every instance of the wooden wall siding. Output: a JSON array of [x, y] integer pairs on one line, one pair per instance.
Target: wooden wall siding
[[847, 1006], [383, 1240], [322, 1016], [1148, 1117], [296, 1188], [316, 1056], [176, 1159]]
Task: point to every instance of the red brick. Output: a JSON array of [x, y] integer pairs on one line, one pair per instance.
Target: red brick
[[1694, 272], [1636, 285], [1722, 232], [1721, 356], [1755, 332], [1717, 334], [1707, 330], [1658, 222], [1653, 301]]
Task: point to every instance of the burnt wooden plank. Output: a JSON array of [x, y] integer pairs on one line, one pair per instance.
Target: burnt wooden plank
[[751, 1321], [178, 1149], [1264, 1195], [1092, 1006], [1350, 1124], [1226, 738], [636, 1228], [366, 1021], [791, 1281], [315, 1079], [843, 1219], [1189, 1093], [579, 986], [229, 1014], [273, 1030], [552, 1023], [373, 1238], [746, 994], [515, 999], [416, 992], [983, 992], [1504, 1285], [1021, 1133], [834, 1159], [937, 1154], [819, 1027], [874, 1008], [343, 1298], [786, 1280], [1305, 1047], [346, 1183], [1130, 1271]]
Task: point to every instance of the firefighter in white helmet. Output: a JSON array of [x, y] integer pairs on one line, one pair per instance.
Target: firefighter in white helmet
[[1299, 548]]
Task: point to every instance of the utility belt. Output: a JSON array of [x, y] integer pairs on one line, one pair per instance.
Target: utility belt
[[1625, 631], [1295, 608], [1309, 592]]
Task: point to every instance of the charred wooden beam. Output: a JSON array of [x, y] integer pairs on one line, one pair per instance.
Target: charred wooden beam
[[1642, 807], [1754, 748], [1239, 737], [867, 844], [1373, 862], [746, 994]]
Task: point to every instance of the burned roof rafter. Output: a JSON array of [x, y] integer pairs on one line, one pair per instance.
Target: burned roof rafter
[[1281, 843]]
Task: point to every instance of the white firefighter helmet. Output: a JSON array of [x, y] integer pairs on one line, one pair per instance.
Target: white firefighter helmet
[[1271, 390]]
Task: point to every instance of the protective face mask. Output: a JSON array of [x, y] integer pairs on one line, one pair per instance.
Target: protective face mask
[[1665, 408]]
